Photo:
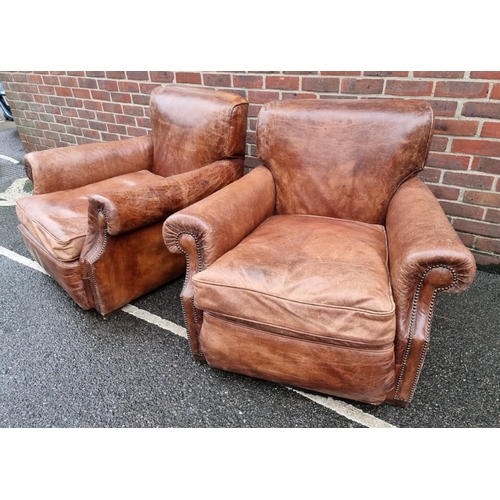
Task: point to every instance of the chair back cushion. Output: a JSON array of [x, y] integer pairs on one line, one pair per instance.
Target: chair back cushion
[[342, 158], [195, 126]]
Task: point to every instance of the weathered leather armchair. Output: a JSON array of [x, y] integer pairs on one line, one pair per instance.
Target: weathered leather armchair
[[319, 269], [94, 222]]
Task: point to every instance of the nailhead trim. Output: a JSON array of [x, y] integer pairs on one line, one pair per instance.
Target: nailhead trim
[[427, 330], [186, 281], [90, 263]]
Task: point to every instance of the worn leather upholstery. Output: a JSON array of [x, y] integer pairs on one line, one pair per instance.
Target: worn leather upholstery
[[319, 269], [95, 219]]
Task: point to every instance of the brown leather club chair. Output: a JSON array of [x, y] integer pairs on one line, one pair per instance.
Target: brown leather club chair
[[94, 222], [319, 269]]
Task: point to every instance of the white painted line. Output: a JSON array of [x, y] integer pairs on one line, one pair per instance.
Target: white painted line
[[343, 409], [22, 260], [14, 192], [155, 320], [346, 410], [8, 158]]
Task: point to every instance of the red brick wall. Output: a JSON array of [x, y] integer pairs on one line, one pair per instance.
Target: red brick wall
[[59, 108]]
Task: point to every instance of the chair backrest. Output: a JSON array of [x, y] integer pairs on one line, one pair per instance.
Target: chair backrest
[[195, 126], [342, 158]]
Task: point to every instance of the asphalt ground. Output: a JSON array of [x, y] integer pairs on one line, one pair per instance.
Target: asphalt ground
[[62, 367]]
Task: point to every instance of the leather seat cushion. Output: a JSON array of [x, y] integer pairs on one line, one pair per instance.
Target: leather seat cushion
[[310, 277], [58, 220]]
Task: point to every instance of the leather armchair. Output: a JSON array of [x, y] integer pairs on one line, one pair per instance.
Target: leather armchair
[[94, 222], [320, 268]]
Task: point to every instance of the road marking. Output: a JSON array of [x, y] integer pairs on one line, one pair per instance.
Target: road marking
[[22, 260], [339, 407], [8, 158], [155, 320], [14, 192], [346, 410]]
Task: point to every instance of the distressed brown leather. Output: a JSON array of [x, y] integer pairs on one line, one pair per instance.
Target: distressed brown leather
[[342, 158], [301, 292], [95, 222], [426, 256]]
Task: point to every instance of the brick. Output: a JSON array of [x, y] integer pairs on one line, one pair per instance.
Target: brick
[[477, 227], [444, 192], [97, 125], [109, 137], [63, 92], [115, 74], [485, 259], [88, 115], [461, 89], [482, 109], [73, 113], [68, 81], [93, 105], [141, 99], [127, 86], [492, 215], [439, 143], [105, 117], [465, 179], [320, 84], [282, 82], [491, 129], [455, 127], [75, 73], [50, 80], [47, 89], [489, 165], [298, 95], [112, 107], [37, 79], [137, 75], [217, 79], [248, 81], [467, 239], [79, 122], [188, 77], [430, 174], [362, 86], [162, 76], [91, 134], [444, 108], [95, 74], [341, 73], [262, 96], [87, 83], [122, 97], [101, 95], [125, 120], [74, 103], [488, 245], [438, 74], [408, 88], [109, 85], [476, 147], [462, 210], [448, 161], [133, 110], [385, 73], [482, 198], [136, 131], [81, 93], [486, 75], [147, 88], [495, 91], [144, 122]]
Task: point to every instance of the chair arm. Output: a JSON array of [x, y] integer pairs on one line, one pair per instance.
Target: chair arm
[[75, 166], [208, 229], [218, 223], [132, 207], [425, 256]]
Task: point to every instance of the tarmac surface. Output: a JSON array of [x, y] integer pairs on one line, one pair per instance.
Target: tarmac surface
[[62, 367]]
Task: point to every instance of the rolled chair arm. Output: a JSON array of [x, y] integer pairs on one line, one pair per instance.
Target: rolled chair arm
[[426, 256], [208, 229], [130, 208], [220, 222], [75, 166]]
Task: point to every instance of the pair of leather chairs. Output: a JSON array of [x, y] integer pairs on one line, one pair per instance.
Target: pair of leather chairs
[[319, 269]]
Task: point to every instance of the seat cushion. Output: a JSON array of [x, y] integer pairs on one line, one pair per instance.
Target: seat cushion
[[309, 277], [58, 221]]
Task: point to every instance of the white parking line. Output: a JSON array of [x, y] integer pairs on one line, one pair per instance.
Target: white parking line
[[8, 158], [339, 407]]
